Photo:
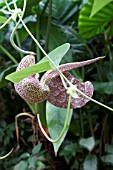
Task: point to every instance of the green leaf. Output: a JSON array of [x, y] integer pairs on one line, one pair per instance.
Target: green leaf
[[23, 165], [55, 117], [98, 5], [104, 87], [32, 163], [90, 162], [2, 19], [107, 159], [87, 143], [25, 155], [89, 27], [28, 71], [36, 149], [109, 148], [4, 73], [57, 54], [68, 151]]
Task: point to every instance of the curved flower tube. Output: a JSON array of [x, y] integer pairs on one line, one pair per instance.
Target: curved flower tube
[[51, 87]]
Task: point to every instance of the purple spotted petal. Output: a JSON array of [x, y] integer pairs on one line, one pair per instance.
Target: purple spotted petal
[[67, 67], [30, 88], [58, 95]]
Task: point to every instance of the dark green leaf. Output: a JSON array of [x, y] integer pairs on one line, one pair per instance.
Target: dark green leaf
[[90, 162], [98, 5], [28, 71], [36, 149], [87, 143], [23, 165], [107, 159], [25, 155], [104, 87], [4, 73], [109, 148], [89, 27], [55, 117], [32, 163], [68, 151]]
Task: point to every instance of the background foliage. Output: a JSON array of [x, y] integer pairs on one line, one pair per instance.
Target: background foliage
[[88, 27]]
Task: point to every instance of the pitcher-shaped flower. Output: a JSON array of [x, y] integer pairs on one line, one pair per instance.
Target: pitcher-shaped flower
[[51, 88]]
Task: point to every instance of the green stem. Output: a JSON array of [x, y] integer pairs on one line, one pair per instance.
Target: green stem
[[48, 26], [108, 48], [8, 54], [81, 124], [90, 123], [64, 128], [38, 33], [18, 42], [102, 134], [45, 6]]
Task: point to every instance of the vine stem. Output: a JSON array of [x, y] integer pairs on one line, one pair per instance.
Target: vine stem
[[14, 4], [64, 128], [15, 28], [2, 157], [16, 124], [95, 101], [7, 5]]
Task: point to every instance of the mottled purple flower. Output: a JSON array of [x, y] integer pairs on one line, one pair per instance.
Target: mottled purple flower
[[50, 87]]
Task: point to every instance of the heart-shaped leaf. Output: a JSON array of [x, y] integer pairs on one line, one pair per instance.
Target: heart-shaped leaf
[[55, 118], [90, 162], [107, 159], [87, 143]]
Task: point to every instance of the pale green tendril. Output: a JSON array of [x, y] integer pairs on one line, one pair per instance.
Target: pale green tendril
[[3, 157], [64, 128]]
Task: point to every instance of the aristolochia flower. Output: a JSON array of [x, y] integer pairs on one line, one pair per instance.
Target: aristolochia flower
[[51, 88]]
